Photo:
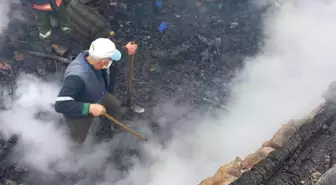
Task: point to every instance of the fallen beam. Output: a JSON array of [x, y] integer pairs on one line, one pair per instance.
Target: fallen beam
[[259, 167], [54, 57]]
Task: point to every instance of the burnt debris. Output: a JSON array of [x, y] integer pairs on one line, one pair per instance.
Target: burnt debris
[[193, 59]]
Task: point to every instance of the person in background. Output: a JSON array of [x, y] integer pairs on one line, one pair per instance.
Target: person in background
[[86, 92], [44, 9], [89, 19]]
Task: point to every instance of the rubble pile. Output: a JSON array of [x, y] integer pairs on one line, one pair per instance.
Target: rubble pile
[[199, 49], [192, 60]]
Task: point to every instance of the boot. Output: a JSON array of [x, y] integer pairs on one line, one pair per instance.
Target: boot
[[66, 30], [45, 36]]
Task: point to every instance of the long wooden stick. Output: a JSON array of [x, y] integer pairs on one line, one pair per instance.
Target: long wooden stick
[[124, 126], [130, 80]]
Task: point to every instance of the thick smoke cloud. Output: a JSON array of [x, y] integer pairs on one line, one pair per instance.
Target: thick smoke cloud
[[4, 10], [38, 137], [283, 81]]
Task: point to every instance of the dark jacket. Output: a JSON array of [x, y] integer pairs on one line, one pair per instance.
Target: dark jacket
[[82, 85], [87, 22]]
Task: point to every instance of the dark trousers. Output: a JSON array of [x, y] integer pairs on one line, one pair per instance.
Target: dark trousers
[[43, 19], [79, 127]]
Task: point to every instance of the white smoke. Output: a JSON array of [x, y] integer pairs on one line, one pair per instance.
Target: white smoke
[[39, 139], [44, 144], [5, 10], [285, 80]]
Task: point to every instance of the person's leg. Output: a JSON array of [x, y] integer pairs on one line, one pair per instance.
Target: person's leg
[[114, 71], [60, 14], [43, 23], [112, 105], [79, 127]]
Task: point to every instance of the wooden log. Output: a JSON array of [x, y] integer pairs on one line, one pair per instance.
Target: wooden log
[[54, 57]]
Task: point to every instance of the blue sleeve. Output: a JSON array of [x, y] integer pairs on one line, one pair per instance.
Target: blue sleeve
[[66, 100]]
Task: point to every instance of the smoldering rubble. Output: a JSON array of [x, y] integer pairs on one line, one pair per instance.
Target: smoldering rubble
[[167, 71], [183, 79]]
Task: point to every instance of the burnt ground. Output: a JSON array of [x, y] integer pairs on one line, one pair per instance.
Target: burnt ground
[[193, 60]]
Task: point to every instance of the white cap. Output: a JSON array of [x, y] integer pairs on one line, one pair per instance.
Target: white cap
[[104, 48]]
